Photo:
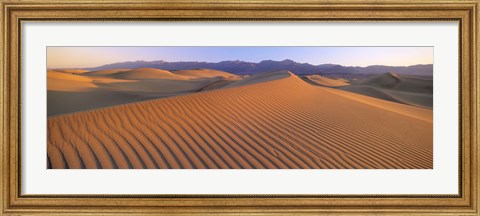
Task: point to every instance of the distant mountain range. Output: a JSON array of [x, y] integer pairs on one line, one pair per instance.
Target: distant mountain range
[[243, 68]]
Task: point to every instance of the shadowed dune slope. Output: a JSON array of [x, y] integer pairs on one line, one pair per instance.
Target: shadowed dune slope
[[69, 93], [162, 86], [281, 122], [324, 81], [394, 82], [260, 77], [387, 80], [391, 87]]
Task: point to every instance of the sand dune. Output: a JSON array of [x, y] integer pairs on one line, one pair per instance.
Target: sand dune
[[391, 87], [60, 81], [72, 71], [69, 93], [223, 83], [388, 80], [373, 92], [272, 120], [324, 81], [394, 82], [260, 77], [65, 102], [146, 73], [415, 99], [202, 73], [162, 86], [105, 72]]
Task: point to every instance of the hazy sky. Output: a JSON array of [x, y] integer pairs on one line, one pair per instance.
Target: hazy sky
[[78, 57]]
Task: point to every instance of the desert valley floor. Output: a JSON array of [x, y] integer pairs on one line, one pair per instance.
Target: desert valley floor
[[207, 119]]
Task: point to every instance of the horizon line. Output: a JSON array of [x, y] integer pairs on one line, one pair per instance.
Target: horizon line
[[238, 61]]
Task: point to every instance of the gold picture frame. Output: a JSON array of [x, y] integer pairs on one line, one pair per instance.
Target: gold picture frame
[[15, 12]]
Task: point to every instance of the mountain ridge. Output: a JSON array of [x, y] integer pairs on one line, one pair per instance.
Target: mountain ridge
[[245, 68]]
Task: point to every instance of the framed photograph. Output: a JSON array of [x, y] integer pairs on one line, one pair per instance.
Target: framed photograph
[[228, 107]]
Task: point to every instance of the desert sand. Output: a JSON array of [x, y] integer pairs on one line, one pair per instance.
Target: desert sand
[[105, 72], [146, 73], [73, 71], [268, 120], [202, 73], [324, 81], [74, 92], [391, 87]]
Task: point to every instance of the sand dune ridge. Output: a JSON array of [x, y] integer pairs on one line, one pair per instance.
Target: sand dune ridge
[[274, 120]]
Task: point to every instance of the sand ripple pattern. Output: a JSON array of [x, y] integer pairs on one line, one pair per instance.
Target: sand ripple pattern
[[280, 124]]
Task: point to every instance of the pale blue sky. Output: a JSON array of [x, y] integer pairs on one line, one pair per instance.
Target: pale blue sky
[[78, 57]]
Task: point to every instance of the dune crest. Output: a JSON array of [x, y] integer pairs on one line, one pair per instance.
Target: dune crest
[[71, 71], [387, 80], [105, 72], [146, 73], [262, 77], [60, 81], [203, 73], [324, 81], [273, 120], [69, 93]]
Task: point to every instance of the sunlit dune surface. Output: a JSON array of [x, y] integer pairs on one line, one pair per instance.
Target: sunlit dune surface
[[72, 71], [391, 87], [269, 120], [105, 72], [60, 81], [69, 93], [202, 73], [324, 81], [146, 73]]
